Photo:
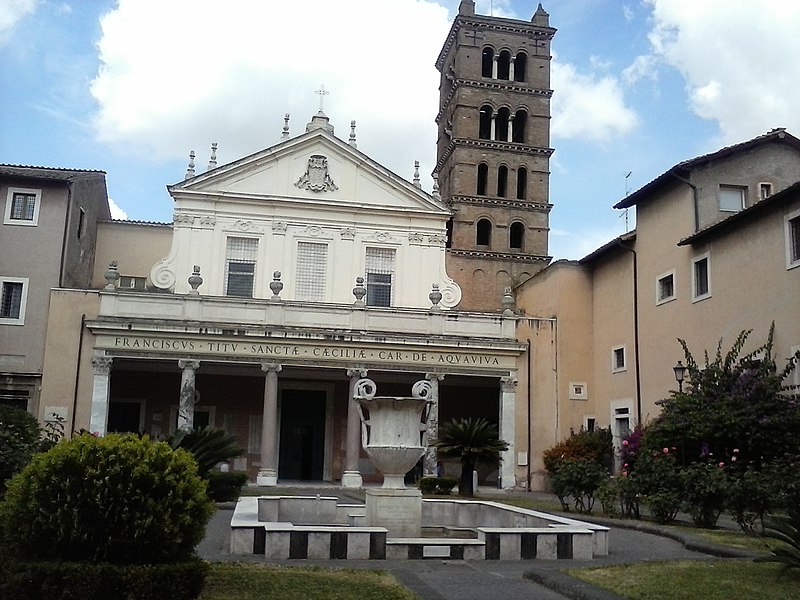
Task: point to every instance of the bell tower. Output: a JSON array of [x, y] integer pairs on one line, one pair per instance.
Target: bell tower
[[493, 151]]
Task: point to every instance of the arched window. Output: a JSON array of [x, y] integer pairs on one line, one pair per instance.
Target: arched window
[[485, 125], [503, 65], [483, 232], [501, 125], [520, 67], [502, 181], [519, 126], [483, 178], [522, 183], [516, 235], [487, 58]]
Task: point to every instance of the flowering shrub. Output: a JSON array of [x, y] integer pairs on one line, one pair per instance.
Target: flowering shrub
[[705, 490], [589, 446], [579, 480]]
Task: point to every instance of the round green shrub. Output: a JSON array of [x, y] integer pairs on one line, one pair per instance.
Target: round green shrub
[[116, 499]]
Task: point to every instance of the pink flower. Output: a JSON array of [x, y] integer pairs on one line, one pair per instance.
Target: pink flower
[[733, 459], [624, 473], [625, 465], [665, 450], [721, 464], [736, 451], [624, 442]]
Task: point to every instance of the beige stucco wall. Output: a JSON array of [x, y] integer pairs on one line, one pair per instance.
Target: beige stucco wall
[[135, 246], [67, 380]]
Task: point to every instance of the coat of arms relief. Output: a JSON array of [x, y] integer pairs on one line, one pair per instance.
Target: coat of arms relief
[[316, 177]]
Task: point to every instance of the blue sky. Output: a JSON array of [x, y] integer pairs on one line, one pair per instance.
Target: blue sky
[[130, 87]]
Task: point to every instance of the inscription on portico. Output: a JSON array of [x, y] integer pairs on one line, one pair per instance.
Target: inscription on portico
[[311, 353]]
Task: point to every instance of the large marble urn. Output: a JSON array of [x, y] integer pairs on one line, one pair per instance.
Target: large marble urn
[[394, 429]]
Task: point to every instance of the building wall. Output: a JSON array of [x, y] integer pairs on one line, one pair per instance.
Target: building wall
[[88, 203], [135, 246]]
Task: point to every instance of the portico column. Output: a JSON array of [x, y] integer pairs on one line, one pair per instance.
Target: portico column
[[352, 476], [187, 397], [510, 129], [508, 401], [511, 69], [493, 131], [494, 66], [99, 416], [431, 458], [268, 472]]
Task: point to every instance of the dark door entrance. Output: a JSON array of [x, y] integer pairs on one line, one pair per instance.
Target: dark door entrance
[[123, 417], [302, 444]]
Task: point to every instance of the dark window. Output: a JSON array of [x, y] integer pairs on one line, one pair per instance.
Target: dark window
[[81, 222], [701, 286], [485, 126], [502, 181], [380, 270], [794, 240], [11, 300], [519, 126], [240, 267], [516, 235], [483, 232], [520, 67], [23, 207], [522, 183], [503, 65], [501, 124], [483, 177], [487, 58]]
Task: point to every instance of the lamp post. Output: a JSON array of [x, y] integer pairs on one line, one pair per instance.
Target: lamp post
[[680, 373]]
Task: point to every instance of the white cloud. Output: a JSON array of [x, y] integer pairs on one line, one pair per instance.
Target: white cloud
[[178, 75], [116, 210], [11, 13], [589, 106], [642, 67], [738, 60]]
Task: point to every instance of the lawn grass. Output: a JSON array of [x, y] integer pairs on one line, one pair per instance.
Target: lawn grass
[[691, 580], [249, 581], [733, 539]]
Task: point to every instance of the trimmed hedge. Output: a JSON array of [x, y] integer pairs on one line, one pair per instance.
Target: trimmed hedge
[[224, 487], [437, 485], [117, 499], [101, 581]]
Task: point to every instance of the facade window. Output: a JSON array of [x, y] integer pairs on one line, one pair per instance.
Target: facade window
[[22, 206], [380, 273], [485, 123], [701, 280], [521, 67], [522, 183], [502, 181], [13, 296], [312, 262], [665, 287], [240, 267], [501, 125], [731, 198], [81, 222], [793, 241], [487, 62], [589, 424], [519, 126], [504, 65], [483, 179], [618, 359], [483, 232], [516, 235], [764, 190]]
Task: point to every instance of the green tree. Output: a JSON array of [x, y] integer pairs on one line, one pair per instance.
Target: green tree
[[472, 441]]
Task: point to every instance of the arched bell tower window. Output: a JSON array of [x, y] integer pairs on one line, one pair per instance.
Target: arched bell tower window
[[516, 235], [487, 60], [483, 178], [502, 181], [503, 65], [522, 183], [501, 123], [485, 125], [483, 232], [520, 124], [520, 67]]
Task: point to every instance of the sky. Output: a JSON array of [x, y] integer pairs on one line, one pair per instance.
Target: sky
[[129, 87]]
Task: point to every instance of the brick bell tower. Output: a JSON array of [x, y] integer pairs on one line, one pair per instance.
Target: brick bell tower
[[493, 151]]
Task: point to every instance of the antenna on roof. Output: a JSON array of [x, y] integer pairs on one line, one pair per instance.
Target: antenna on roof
[[627, 191]]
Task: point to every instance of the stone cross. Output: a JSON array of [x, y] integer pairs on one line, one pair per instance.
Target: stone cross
[[322, 93]]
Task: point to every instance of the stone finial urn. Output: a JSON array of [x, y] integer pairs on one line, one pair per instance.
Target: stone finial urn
[[393, 429]]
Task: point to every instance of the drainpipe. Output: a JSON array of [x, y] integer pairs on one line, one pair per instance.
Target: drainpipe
[[530, 429], [636, 331], [694, 198], [77, 374]]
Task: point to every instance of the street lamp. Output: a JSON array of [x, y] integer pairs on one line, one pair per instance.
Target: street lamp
[[680, 373]]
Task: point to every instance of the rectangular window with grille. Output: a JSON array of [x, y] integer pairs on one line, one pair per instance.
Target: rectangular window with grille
[[13, 294], [240, 267], [380, 273], [312, 263], [22, 206]]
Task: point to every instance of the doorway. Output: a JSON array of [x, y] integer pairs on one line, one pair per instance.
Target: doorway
[[302, 435]]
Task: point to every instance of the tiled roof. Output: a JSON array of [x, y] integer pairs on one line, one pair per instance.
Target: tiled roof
[[52, 173], [134, 222]]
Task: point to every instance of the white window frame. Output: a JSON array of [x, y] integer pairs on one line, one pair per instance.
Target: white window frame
[[697, 259], [742, 193], [791, 261], [764, 190], [614, 367], [23, 301], [229, 260], [586, 419], [620, 410], [7, 220], [393, 274], [578, 390], [663, 299]]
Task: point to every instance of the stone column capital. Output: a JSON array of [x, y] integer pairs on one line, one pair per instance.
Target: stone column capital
[[102, 364], [269, 367], [187, 363], [508, 384], [359, 372]]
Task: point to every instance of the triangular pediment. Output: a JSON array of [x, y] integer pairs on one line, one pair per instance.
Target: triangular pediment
[[315, 168]]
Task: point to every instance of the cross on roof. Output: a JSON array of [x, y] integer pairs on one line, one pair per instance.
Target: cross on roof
[[322, 93]]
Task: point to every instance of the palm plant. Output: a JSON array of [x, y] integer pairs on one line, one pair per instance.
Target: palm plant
[[472, 441], [209, 446], [785, 529]]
